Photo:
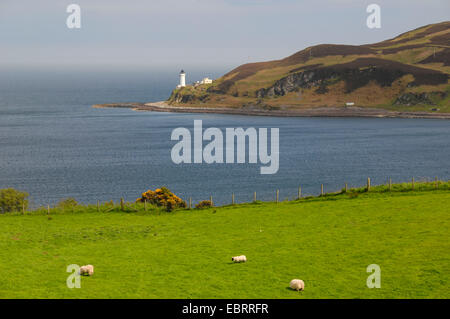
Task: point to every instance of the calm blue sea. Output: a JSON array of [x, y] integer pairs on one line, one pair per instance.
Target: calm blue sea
[[54, 145]]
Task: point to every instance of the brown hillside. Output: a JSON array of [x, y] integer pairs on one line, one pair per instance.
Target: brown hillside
[[439, 57], [323, 50], [416, 35], [410, 69]]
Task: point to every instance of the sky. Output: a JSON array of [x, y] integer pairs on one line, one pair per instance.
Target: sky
[[140, 34]]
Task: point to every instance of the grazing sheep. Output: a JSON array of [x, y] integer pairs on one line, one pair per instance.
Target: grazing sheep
[[297, 284], [87, 270], [239, 259]]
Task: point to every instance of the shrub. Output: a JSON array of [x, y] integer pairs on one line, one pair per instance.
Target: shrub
[[12, 200], [204, 204], [162, 197], [352, 194], [67, 203]]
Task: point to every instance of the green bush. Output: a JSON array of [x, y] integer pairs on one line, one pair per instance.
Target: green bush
[[69, 202], [12, 200], [204, 204], [352, 194]]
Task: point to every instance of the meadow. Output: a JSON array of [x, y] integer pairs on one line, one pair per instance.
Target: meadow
[[327, 241]]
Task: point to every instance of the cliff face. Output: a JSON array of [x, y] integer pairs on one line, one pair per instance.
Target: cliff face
[[355, 75], [293, 82], [410, 70], [179, 97]]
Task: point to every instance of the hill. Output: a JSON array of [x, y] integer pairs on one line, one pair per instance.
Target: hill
[[407, 73], [327, 241]]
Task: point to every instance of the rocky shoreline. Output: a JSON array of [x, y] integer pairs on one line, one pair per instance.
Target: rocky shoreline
[[313, 112]]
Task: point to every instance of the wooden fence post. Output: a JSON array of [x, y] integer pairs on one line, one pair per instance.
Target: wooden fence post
[[98, 206], [210, 199], [122, 204], [368, 183], [254, 197], [299, 192], [278, 193], [321, 189], [412, 183], [48, 209], [436, 182], [346, 187], [23, 207], [190, 202], [232, 199], [390, 184]]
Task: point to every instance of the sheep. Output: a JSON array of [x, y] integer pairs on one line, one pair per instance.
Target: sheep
[[87, 270], [239, 259], [297, 284]]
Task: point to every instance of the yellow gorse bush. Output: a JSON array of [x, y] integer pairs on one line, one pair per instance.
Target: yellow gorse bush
[[162, 197]]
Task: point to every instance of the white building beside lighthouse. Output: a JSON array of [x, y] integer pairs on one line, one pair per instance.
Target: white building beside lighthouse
[[182, 79]]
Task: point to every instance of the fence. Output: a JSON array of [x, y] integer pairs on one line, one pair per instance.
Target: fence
[[388, 187], [368, 187]]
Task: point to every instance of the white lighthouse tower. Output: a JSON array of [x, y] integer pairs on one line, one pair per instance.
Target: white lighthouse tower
[[182, 79]]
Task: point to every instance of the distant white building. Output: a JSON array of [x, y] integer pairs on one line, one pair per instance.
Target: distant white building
[[182, 79], [349, 103], [206, 81]]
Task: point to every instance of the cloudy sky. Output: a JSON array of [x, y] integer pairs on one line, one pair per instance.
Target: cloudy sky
[[149, 33]]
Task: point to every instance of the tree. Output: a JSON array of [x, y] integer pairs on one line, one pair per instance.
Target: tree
[[12, 200]]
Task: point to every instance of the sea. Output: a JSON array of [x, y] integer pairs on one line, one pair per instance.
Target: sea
[[54, 145]]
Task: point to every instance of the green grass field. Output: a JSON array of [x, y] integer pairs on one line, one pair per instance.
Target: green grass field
[[327, 241]]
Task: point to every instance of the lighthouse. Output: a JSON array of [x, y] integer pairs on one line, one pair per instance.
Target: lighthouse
[[182, 79]]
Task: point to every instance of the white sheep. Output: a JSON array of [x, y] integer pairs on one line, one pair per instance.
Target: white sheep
[[87, 270], [297, 284], [239, 259]]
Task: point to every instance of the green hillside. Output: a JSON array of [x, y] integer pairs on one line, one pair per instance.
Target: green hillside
[[327, 241], [408, 72]]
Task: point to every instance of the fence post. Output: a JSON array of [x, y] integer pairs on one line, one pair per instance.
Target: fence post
[[390, 184], [23, 207], [232, 199], [122, 204], [98, 206], [254, 197], [299, 192], [48, 209], [436, 182], [210, 199], [278, 193], [346, 187], [412, 183], [368, 183], [321, 189]]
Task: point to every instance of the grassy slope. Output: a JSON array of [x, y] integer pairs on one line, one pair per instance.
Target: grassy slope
[[328, 242], [409, 48]]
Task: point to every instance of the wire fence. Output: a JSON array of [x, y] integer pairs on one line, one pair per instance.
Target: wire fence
[[122, 205]]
